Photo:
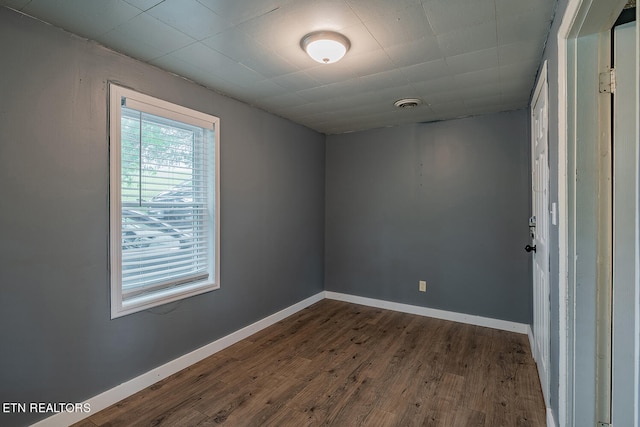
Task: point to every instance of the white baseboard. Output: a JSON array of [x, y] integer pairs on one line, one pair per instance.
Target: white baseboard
[[531, 339], [504, 325], [551, 422], [124, 390]]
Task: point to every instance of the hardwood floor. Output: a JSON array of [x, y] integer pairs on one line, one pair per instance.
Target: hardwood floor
[[341, 364]]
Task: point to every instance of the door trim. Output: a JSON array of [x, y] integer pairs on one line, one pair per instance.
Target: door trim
[[626, 316], [565, 312], [580, 17]]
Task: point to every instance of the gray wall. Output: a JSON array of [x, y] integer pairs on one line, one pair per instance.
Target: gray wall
[[57, 342], [445, 202]]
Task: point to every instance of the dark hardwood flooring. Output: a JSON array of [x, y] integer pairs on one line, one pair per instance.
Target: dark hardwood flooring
[[341, 364]]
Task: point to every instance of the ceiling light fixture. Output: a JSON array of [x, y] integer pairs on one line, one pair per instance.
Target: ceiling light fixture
[[325, 47]]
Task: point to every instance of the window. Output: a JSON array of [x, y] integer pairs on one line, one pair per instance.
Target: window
[[164, 204]]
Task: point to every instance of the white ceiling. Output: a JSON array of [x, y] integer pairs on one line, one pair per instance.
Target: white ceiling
[[462, 57]]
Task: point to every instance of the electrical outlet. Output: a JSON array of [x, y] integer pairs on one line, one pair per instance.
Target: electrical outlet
[[423, 286]]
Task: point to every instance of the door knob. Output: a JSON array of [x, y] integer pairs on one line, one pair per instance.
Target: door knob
[[530, 248]]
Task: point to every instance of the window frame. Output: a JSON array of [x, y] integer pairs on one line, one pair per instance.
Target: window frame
[[158, 107]]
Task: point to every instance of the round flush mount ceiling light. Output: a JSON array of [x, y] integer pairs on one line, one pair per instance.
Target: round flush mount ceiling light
[[325, 47], [408, 102]]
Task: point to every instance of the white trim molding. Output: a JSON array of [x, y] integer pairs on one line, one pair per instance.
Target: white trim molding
[[469, 319], [551, 422], [565, 310], [580, 17], [531, 339]]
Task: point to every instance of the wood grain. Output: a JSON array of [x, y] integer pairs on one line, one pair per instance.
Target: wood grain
[[342, 364]]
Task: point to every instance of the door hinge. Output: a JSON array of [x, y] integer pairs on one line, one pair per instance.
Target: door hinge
[[607, 81], [604, 424]]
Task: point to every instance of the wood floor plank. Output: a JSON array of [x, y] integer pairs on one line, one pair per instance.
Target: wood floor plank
[[342, 364], [85, 423]]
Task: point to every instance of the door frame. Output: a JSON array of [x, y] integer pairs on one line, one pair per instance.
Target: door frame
[[578, 36], [626, 270]]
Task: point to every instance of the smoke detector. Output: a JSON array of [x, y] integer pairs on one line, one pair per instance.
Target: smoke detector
[[408, 102]]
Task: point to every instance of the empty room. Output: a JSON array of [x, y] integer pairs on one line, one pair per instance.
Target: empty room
[[319, 212]]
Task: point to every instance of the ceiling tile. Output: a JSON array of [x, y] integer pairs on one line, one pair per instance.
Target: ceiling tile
[[294, 56], [254, 92], [367, 107], [449, 107], [520, 51], [487, 109], [368, 9], [344, 88], [238, 11], [515, 101], [494, 100], [333, 73], [268, 63], [477, 78], [215, 63], [439, 85], [399, 26], [521, 28], [473, 61], [189, 17], [284, 100], [145, 37], [450, 15], [319, 15], [535, 9], [293, 82], [15, 4], [270, 30], [517, 89], [87, 19], [468, 39], [240, 47], [517, 70], [368, 63], [452, 95], [361, 39], [388, 78], [392, 94], [366, 101], [415, 52], [479, 91], [296, 112], [193, 72], [426, 71], [144, 5]]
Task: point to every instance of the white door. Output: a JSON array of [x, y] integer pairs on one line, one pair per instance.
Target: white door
[[540, 232]]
